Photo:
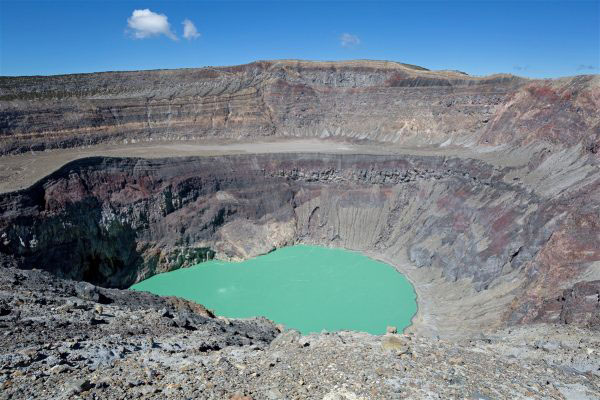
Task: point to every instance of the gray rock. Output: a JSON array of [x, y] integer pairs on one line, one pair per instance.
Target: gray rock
[[78, 386], [87, 291]]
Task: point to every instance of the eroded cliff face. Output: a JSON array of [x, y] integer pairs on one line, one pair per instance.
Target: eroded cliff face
[[495, 218], [360, 100], [482, 248]]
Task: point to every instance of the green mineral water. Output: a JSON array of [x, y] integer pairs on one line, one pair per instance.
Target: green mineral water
[[307, 288]]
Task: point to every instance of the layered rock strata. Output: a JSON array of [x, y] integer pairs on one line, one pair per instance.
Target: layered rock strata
[[360, 100]]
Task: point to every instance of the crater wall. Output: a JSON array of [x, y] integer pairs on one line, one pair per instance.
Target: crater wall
[[356, 100], [482, 249]]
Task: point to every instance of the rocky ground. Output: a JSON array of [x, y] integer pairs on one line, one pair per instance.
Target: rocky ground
[[63, 339]]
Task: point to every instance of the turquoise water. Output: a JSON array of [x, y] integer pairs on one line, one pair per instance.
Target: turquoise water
[[307, 288]]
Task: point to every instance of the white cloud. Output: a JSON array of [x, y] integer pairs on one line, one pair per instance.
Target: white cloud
[[189, 30], [584, 67], [146, 23], [349, 40]]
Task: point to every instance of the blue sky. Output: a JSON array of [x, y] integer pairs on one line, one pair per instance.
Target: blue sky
[[537, 39]]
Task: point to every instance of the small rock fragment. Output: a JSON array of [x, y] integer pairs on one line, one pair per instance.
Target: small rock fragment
[[78, 386], [394, 342]]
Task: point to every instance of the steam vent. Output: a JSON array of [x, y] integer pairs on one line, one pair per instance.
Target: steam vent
[[483, 193]]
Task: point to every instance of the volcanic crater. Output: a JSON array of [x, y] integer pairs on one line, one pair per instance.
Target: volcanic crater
[[483, 191]]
